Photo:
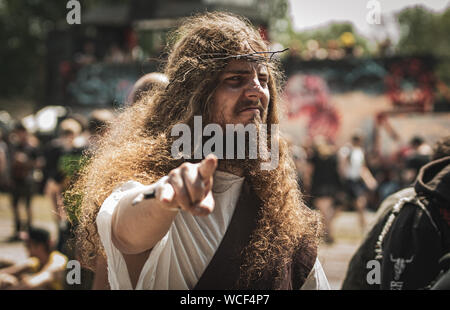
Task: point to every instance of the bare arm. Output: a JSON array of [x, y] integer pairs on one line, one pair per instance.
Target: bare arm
[[52, 271], [18, 269], [137, 228], [368, 178]]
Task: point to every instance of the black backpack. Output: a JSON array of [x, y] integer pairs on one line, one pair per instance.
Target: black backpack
[[404, 246]]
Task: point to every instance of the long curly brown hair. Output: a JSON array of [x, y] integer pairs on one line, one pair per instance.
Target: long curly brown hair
[[137, 145]]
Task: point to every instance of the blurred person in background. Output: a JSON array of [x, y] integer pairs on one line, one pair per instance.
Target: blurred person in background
[[388, 180], [357, 176], [87, 56], [418, 155], [4, 164], [44, 269], [99, 121], [145, 84], [63, 156], [78, 147], [300, 158], [411, 234], [23, 161], [115, 54], [325, 181]]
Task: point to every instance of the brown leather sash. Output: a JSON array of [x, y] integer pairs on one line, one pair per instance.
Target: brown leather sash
[[223, 271]]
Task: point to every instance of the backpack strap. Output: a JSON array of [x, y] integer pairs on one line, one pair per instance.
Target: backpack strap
[[395, 211]]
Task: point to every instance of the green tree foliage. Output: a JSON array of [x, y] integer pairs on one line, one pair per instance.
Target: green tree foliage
[[424, 32], [24, 25], [331, 32], [276, 12], [24, 28]]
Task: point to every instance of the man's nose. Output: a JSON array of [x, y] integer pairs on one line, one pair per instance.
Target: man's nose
[[254, 89]]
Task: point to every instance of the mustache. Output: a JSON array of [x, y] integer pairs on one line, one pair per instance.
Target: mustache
[[242, 105]]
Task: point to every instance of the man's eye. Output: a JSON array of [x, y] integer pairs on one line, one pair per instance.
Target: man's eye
[[263, 82], [234, 78]]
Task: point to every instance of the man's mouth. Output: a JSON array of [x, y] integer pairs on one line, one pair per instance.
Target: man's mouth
[[251, 109]]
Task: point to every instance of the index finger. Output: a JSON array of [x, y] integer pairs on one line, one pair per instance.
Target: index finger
[[208, 166]]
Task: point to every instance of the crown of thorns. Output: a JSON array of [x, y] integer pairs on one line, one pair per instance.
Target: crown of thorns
[[255, 57]]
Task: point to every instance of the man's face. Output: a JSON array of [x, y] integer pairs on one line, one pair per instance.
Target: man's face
[[242, 95]]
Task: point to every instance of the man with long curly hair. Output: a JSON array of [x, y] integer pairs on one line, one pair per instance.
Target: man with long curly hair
[[211, 223]]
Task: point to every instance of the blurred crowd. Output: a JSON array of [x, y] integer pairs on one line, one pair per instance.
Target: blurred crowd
[[331, 177], [114, 54], [32, 163], [38, 160], [348, 177]]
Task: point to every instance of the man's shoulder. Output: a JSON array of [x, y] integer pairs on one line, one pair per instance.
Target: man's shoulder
[[357, 272], [389, 202]]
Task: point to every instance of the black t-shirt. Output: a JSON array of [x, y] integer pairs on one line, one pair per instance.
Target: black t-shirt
[[325, 178], [23, 157], [62, 162]]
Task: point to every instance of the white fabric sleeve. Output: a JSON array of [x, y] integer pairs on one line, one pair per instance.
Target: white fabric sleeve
[[118, 275], [316, 280]]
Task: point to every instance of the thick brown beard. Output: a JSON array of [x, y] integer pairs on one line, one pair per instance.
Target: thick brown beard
[[285, 224], [246, 165]]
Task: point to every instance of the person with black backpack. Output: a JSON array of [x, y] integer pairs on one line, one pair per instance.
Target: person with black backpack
[[404, 249], [23, 158]]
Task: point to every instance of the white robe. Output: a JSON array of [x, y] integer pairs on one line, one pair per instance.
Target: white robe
[[179, 259]]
